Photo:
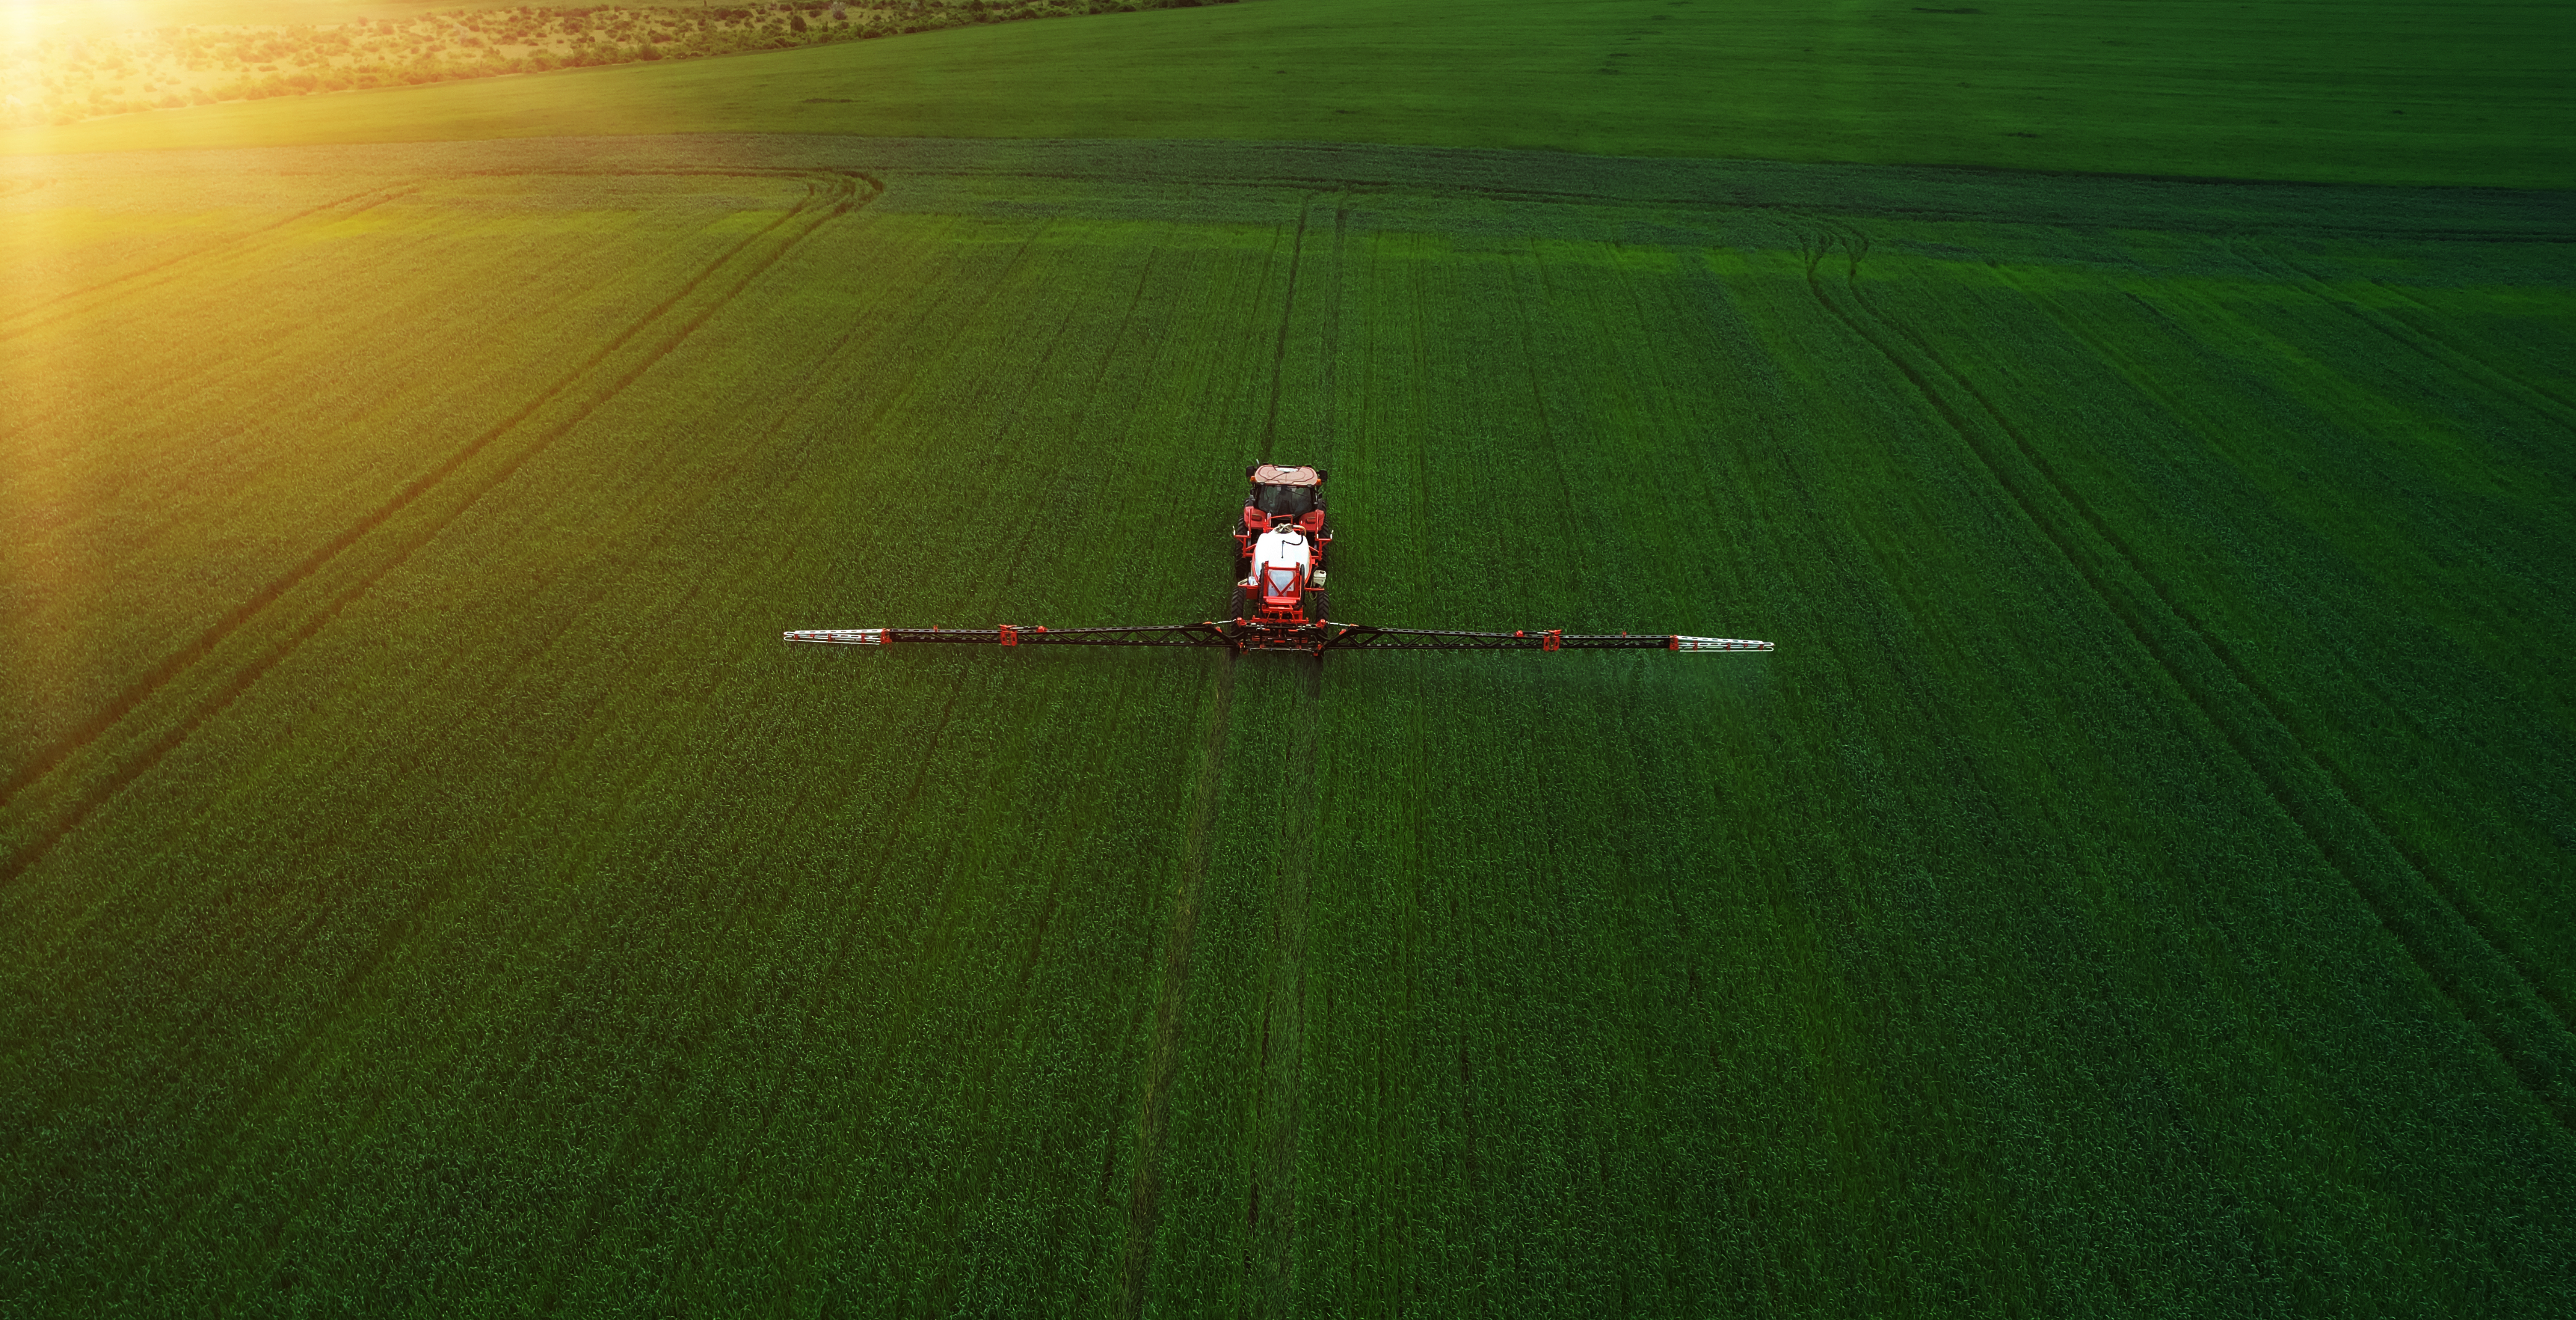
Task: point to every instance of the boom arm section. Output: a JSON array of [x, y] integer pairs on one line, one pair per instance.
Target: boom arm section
[[1362, 637], [1177, 634]]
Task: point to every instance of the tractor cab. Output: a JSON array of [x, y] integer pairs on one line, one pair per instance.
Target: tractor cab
[[1281, 500], [1282, 497]]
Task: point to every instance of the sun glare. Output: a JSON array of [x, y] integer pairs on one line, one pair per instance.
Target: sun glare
[[39, 20]]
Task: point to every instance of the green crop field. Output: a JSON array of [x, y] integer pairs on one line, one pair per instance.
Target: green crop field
[[2139, 884]]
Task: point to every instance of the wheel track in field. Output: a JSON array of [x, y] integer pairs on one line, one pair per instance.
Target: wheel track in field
[[2508, 1028], [1153, 1109], [1270, 1245], [1287, 319], [52, 754], [2443, 885], [1333, 329], [1566, 498], [132, 281], [45, 760], [828, 196]]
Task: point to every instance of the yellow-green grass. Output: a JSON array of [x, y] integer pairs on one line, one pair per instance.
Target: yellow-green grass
[[2336, 90], [2133, 886]]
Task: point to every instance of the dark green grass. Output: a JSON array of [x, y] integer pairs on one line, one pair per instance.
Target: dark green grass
[[2343, 90], [2134, 886]]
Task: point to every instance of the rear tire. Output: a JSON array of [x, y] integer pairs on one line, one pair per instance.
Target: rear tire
[[1323, 607], [1234, 610]]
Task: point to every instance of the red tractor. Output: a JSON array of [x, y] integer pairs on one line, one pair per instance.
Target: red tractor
[[1279, 546], [1279, 600]]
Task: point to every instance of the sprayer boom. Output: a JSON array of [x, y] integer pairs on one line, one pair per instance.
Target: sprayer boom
[[1266, 635]]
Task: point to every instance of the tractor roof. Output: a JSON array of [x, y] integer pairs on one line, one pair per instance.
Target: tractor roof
[[1271, 475]]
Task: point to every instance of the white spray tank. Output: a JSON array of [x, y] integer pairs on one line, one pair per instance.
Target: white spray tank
[[1284, 547]]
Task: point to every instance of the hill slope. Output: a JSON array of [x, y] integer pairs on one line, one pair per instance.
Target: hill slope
[[2331, 91]]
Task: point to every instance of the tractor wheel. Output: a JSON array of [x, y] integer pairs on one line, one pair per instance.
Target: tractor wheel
[[1323, 604], [1235, 610]]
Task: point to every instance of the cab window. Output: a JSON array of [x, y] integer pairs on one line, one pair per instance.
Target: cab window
[[1284, 501]]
